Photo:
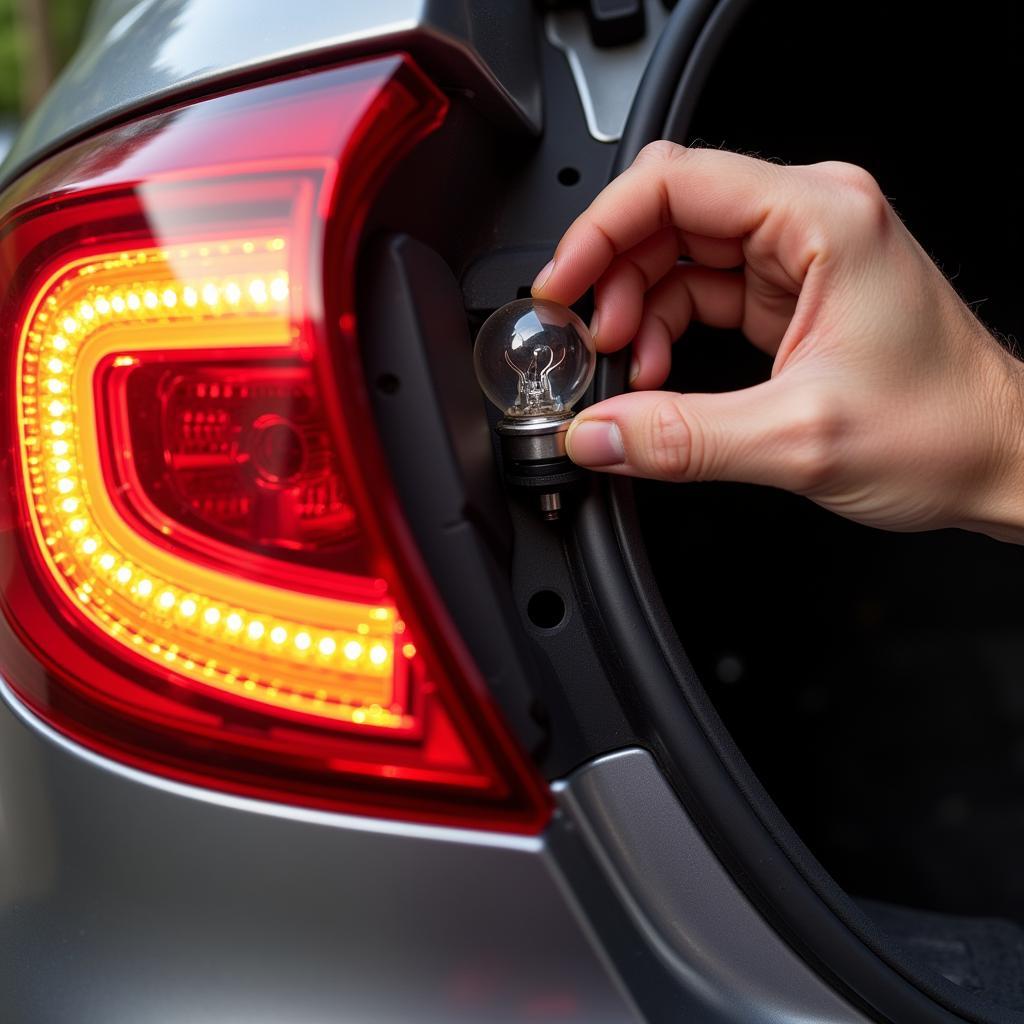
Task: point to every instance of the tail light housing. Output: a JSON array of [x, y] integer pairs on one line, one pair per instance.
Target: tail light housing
[[205, 571]]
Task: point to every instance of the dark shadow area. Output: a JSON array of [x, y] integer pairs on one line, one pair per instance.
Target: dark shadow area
[[874, 681]]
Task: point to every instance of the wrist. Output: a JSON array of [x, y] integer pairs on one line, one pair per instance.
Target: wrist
[[999, 512]]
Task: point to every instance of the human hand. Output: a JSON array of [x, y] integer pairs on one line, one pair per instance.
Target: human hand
[[888, 402]]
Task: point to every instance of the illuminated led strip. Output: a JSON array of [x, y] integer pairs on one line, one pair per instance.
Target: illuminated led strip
[[328, 657]]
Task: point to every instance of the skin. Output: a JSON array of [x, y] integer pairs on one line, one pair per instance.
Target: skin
[[888, 403]]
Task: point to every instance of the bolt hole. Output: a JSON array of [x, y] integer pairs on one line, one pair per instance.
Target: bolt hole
[[388, 383], [546, 609], [569, 176], [730, 669]]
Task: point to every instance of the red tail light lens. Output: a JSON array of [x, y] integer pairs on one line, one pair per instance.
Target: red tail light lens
[[206, 571], [240, 454]]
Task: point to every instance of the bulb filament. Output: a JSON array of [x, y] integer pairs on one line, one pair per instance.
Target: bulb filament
[[535, 395]]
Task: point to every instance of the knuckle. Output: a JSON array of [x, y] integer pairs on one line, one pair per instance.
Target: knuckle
[[860, 196], [813, 438], [852, 175], [662, 149], [671, 437]]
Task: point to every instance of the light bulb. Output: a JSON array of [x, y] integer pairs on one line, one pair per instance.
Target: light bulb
[[534, 360]]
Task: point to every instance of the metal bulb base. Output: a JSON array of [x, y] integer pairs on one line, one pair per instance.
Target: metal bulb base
[[535, 458]]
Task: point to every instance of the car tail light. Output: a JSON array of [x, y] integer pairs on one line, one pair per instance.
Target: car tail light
[[203, 561]]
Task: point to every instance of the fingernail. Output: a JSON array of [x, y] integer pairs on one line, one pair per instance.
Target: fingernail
[[594, 321], [634, 370], [595, 443], [542, 278]]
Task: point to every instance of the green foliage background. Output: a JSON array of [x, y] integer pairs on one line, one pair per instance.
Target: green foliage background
[[66, 21], [10, 99]]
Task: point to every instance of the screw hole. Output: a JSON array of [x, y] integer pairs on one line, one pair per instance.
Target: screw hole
[[388, 383], [569, 176], [546, 609]]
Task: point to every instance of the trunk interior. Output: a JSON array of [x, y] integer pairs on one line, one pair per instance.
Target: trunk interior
[[875, 682]]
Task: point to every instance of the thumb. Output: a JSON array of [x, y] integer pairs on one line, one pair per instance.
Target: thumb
[[774, 433]]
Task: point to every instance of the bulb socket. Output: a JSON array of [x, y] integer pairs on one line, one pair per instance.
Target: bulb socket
[[534, 456]]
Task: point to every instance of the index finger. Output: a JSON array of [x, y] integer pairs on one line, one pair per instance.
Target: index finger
[[705, 191]]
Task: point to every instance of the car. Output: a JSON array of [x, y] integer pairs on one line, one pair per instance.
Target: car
[[307, 715]]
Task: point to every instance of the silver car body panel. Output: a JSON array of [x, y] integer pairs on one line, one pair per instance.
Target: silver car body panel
[[7, 133], [138, 52], [692, 915], [128, 897]]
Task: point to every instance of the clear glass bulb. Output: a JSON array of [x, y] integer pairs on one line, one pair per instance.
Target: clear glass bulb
[[534, 358]]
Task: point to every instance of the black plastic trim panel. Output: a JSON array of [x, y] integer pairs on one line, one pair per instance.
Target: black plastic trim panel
[[433, 425]]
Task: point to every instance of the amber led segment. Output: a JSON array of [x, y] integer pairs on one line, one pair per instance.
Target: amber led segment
[[336, 659]]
